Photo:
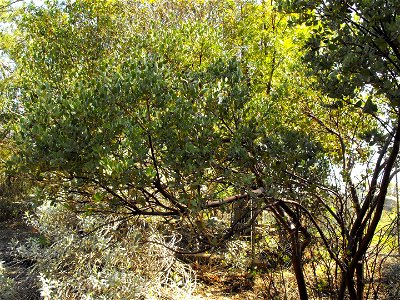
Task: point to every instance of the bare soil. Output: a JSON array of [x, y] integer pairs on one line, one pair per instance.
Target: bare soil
[[219, 283]]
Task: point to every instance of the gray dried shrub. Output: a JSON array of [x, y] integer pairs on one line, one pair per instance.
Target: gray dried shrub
[[82, 256]]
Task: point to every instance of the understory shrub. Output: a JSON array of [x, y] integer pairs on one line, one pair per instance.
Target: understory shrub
[[391, 279], [7, 285], [86, 256], [10, 206], [17, 196]]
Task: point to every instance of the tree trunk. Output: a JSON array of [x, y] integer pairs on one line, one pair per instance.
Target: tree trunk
[[343, 286], [360, 280], [298, 265], [351, 285]]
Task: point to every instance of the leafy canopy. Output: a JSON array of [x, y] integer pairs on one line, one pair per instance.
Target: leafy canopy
[[159, 107]]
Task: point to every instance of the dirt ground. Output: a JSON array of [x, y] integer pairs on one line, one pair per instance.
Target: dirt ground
[[218, 284]]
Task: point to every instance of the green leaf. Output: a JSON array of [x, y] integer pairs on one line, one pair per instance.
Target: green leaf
[[97, 197], [370, 107]]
